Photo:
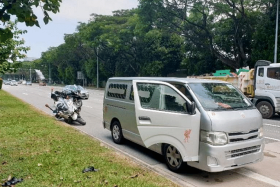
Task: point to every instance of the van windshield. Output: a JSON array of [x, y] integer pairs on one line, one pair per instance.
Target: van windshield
[[220, 96]]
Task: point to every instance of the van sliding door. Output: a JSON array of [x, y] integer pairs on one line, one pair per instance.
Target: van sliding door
[[162, 117]]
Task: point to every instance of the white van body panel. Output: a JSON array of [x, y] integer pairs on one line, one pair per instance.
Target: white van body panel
[[160, 126], [235, 121]]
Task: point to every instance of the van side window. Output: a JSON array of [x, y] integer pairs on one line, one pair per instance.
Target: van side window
[[160, 97], [131, 95], [117, 90], [184, 91], [261, 71]]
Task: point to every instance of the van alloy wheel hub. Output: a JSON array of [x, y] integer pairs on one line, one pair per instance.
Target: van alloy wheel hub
[[116, 132], [173, 156]]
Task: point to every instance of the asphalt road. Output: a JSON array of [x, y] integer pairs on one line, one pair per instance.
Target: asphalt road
[[254, 175]]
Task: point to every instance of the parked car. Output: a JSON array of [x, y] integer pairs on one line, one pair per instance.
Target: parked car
[[6, 82], [77, 88], [28, 83], [13, 83], [42, 84]]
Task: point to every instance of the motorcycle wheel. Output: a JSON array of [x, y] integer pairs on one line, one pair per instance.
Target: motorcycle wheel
[[69, 120], [81, 121]]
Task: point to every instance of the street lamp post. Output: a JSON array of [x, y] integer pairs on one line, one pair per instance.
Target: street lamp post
[[50, 73], [97, 84], [30, 74], [276, 34]]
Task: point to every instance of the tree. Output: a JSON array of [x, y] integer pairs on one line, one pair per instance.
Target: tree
[[124, 45], [222, 27], [23, 10], [128, 47], [264, 37], [12, 50]]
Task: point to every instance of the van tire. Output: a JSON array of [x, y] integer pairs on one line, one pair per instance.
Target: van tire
[[266, 109], [116, 132], [173, 158]]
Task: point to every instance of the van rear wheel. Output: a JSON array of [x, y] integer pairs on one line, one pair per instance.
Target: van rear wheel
[[116, 132], [173, 158]]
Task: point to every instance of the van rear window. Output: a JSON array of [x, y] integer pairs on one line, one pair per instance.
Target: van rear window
[[117, 91]]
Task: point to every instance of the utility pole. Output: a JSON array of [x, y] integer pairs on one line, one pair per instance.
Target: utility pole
[[276, 34], [30, 74], [97, 84], [50, 73]]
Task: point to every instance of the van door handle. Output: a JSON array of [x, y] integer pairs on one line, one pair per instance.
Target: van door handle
[[267, 84], [144, 118]]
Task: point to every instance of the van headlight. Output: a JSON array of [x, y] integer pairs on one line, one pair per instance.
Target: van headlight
[[260, 132], [213, 138]]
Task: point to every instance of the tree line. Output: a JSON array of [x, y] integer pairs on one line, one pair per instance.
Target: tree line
[[160, 37]]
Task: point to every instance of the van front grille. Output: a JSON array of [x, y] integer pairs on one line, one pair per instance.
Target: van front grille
[[242, 136], [242, 152], [241, 139], [242, 133]]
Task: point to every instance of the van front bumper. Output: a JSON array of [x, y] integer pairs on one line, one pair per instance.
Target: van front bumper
[[230, 156]]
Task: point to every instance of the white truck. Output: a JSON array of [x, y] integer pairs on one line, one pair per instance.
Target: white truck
[[261, 84]]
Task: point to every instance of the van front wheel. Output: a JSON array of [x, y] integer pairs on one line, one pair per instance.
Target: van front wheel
[[117, 132], [173, 158]]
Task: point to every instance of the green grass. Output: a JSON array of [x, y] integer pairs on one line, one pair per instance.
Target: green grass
[[46, 152]]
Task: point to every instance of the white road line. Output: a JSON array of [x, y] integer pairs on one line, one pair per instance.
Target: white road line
[[272, 139], [257, 176], [271, 125], [24, 93], [87, 106]]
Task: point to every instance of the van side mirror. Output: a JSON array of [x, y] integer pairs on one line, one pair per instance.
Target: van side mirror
[[191, 107]]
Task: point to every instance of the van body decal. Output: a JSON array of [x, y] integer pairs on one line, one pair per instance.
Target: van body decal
[[187, 135]]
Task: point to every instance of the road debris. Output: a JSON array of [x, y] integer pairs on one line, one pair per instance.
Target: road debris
[[89, 169], [12, 181]]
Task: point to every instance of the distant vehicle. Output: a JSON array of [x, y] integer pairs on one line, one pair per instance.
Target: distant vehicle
[[13, 83], [77, 88], [29, 83], [6, 82], [20, 81], [23, 82], [42, 84]]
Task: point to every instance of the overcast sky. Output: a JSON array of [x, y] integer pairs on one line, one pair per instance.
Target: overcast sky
[[66, 21]]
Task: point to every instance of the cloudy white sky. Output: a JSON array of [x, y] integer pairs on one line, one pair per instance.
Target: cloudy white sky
[[66, 21]]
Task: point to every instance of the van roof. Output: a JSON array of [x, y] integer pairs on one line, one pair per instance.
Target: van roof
[[167, 79]]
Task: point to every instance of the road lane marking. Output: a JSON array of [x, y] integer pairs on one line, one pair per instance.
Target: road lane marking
[[271, 125], [257, 176], [87, 106], [24, 93], [272, 139]]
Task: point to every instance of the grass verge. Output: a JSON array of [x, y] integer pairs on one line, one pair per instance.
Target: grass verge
[[46, 152]]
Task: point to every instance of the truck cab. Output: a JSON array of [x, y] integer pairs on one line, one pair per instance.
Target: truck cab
[[267, 88]]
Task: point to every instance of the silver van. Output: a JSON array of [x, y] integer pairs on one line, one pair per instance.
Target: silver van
[[210, 125]]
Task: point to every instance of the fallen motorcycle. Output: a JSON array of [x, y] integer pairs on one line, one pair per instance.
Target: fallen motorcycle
[[67, 106]]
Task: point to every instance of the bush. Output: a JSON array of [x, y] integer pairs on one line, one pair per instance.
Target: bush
[[1, 82]]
